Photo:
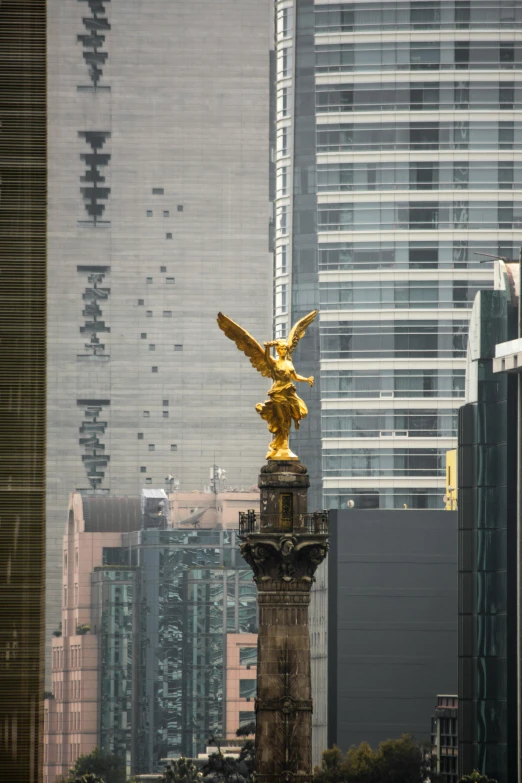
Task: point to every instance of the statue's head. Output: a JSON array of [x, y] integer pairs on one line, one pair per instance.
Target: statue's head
[[282, 348]]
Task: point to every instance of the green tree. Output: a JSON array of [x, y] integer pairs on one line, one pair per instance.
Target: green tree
[[107, 766], [89, 778], [395, 761], [332, 767], [476, 777], [220, 767], [181, 770]]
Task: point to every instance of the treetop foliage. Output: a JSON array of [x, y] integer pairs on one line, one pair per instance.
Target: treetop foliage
[[395, 761], [476, 777]]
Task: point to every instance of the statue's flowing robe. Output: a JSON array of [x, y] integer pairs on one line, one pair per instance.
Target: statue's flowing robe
[[283, 406]]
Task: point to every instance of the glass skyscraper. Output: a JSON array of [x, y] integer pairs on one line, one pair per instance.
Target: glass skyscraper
[[165, 603], [406, 164]]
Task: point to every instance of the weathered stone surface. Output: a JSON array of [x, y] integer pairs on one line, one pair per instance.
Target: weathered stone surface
[[284, 552]]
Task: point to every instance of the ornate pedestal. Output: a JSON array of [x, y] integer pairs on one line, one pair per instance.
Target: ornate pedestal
[[283, 545]]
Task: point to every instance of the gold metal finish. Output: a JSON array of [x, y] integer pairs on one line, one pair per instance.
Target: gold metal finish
[[284, 406]]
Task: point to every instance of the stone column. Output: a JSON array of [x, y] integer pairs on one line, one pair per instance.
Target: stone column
[[283, 545]]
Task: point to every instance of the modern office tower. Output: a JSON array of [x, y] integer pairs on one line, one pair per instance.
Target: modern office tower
[[23, 182], [158, 641], [489, 557], [444, 739], [404, 168], [392, 622], [158, 218]]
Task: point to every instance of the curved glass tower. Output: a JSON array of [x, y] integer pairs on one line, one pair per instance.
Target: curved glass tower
[[408, 164]]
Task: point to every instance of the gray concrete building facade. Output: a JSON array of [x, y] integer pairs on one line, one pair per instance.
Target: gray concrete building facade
[[392, 622], [158, 218]]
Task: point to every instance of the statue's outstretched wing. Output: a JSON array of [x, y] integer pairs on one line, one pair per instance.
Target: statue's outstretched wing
[[299, 329], [246, 343]]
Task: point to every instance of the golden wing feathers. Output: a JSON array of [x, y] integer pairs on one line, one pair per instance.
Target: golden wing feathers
[[299, 329], [246, 343]]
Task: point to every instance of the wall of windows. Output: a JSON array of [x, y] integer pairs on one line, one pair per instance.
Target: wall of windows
[[426, 339], [432, 135], [393, 295], [390, 384], [420, 216], [418, 55], [420, 175], [163, 625], [395, 462], [417, 96], [389, 423], [461, 254], [418, 15], [384, 497]]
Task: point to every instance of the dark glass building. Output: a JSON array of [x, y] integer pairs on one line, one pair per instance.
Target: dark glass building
[[487, 470], [392, 622], [166, 602]]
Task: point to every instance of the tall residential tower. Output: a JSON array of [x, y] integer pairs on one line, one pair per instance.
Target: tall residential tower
[[408, 161], [158, 219]]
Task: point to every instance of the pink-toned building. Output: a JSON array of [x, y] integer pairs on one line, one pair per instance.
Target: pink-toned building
[[240, 680], [94, 527], [71, 716]]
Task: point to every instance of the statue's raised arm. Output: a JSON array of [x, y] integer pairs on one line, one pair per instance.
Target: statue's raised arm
[[283, 405]]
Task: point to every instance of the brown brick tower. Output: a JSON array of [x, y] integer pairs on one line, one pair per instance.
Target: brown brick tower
[[283, 545]]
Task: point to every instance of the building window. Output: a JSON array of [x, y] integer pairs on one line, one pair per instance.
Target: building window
[[148, 481], [167, 314], [180, 207], [166, 213], [178, 347], [146, 414], [141, 302], [149, 213], [163, 268], [282, 260], [283, 141], [144, 335], [170, 280], [248, 656], [247, 689], [143, 469], [149, 280], [154, 369], [281, 304], [165, 414], [149, 313], [158, 191], [246, 717], [281, 331], [165, 403], [173, 447], [282, 213], [168, 236], [140, 435], [152, 447], [152, 347], [284, 180]]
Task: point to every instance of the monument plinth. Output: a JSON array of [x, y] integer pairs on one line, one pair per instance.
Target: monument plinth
[[283, 545]]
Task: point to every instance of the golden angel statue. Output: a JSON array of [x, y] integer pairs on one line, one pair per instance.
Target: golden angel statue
[[284, 406]]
